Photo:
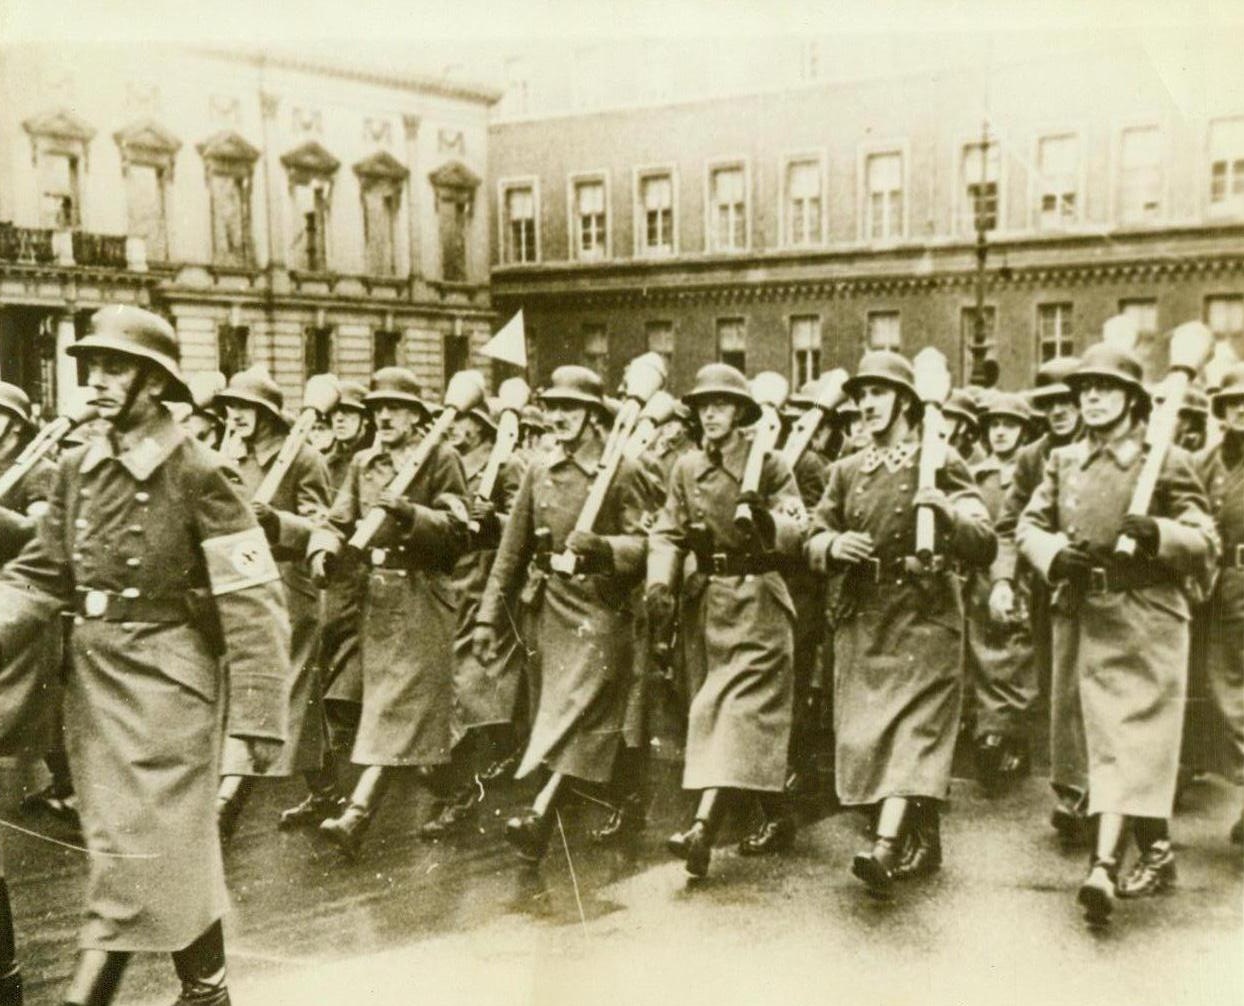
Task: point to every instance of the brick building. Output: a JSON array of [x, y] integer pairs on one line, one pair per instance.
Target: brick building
[[307, 216], [790, 229]]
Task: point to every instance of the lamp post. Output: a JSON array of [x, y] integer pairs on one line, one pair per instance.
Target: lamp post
[[984, 371]]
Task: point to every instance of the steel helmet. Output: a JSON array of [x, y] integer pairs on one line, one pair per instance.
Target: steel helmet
[[961, 405], [1007, 404], [886, 366], [577, 385], [1231, 389], [351, 396], [255, 387], [396, 384], [135, 332], [1113, 364], [16, 402], [1052, 377], [723, 380]]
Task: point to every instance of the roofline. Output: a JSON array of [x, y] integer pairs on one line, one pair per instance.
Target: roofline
[[408, 82]]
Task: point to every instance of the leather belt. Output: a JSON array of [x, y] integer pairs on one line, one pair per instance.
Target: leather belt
[[1116, 579], [1232, 557], [895, 569], [735, 563], [388, 558], [129, 606]]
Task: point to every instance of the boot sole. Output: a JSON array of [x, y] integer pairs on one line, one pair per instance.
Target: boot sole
[[347, 846]]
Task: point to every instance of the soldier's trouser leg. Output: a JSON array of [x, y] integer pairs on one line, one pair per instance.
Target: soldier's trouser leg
[[96, 977], [58, 767], [1068, 748], [231, 798], [630, 795], [201, 968], [10, 975]]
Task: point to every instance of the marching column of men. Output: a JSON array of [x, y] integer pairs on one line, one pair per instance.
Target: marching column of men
[[502, 589]]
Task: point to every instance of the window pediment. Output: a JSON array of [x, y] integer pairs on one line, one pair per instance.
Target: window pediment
[[147, 142], [228, 148], [455, 175], [310, 161], [61, 124], [381, 166]]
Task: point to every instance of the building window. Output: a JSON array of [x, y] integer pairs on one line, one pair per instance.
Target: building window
[[590, 220], [309, 248], [1058, 167], [231, 219], [1055, 336], [144, 203], [311, 169], [1224, 314], [978, 187], [59, 205], [1226, 167], [660, 339], [805, 349], [232, 348], [381, 179], [457, 354], [1140, 174], [728, 209], [803, 202], [384, 344], [656, 198], [520, 224], [1144, 312], [317, 350], [967, 335], [884, 200], [596, 347], [732, 342], [455, 185], [884, 330]]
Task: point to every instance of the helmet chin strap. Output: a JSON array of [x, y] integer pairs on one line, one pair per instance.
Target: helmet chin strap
[[122, 419]]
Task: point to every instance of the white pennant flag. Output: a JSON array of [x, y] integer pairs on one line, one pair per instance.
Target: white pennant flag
[[509, 344]]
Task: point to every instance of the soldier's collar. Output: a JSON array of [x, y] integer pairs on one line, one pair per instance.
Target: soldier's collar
[[1123, 451], [585, 455], [895, 458], [731, 458], [151, 449], [475, 460]]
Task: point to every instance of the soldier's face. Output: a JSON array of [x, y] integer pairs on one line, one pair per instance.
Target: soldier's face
[[9, 430], [1004, 436], [321, 436], [718, 417], [243, 420], [347, 423], [465, 435], [877, 402], [201, 428], [112, 378], [1190, 431], [1061, 414], [566, 421], [1233, 415], [1103, 403], [395, 423]]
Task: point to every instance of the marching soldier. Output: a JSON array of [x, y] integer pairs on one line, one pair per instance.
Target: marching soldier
[[341, 613], [1121, 622], [577, 606], [254, 407], [1053, 400], [1222, 472], [963, 420], [147, 541], [206, 420], [485, 692], [1000, 650], [738, 622], [898, 622], [408, 609]]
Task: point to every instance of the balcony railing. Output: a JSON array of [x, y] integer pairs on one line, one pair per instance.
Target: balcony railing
[[45, 246], [32, 245]]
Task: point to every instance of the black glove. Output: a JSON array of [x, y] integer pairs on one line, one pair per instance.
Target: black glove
[[486, 524], [1071, 564], [661, 608], [762, 519], [595, 555], [399, 508], [268, 520], [1144, 531]]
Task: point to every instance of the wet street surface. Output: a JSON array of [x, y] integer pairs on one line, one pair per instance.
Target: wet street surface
[[462, 920]]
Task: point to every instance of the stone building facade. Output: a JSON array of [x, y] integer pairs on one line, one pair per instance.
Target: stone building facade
[[306, 216], [791, 229]]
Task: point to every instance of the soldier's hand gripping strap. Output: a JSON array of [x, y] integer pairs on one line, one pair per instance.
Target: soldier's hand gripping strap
[[239, 560]]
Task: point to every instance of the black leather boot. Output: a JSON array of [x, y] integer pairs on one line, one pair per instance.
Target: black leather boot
[[876, 868], [96, 977], [626, 821], [776, 833], [529, 833], [346, 832], [694, 847], [1097, 893], [313, 811], [458, 812], [922, 854], [201, 968]]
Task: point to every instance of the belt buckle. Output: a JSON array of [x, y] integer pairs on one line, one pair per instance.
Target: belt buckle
[[566, 563], [1099, 580], [717, 563], [95, 603], [378, 556]]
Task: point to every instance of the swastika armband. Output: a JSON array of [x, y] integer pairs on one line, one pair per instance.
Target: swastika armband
[[239, 560]]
